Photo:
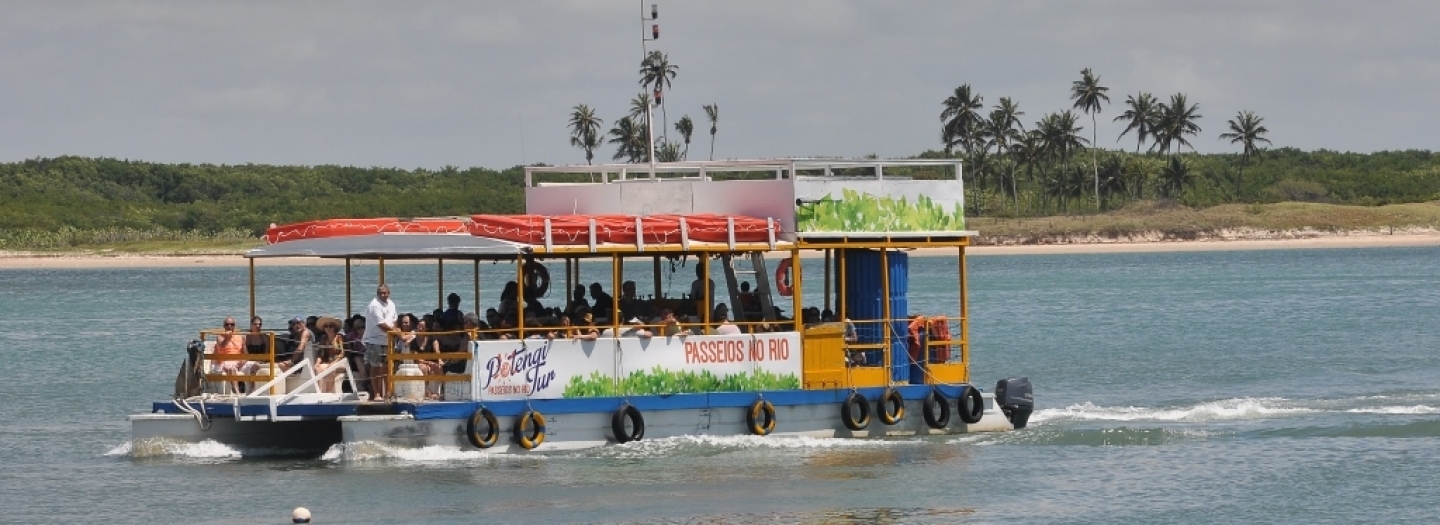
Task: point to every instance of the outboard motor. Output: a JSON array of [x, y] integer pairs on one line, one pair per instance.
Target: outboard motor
[[1016, 399]]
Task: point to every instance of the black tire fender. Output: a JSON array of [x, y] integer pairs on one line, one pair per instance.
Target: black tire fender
[[761, 417], [491, 429], [637, 424], [529, 429], [853, 403], [936, 410], [891, 407], [970, 405]]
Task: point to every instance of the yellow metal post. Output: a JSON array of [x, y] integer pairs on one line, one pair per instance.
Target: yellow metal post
[[827, 278], [840, 312], [885, 309], [617, 266], [569, 284], [705, 290], [252, 288], [440, 283], [477, 290], [382, 270], [964, 316], [796, 303], [520, 296]]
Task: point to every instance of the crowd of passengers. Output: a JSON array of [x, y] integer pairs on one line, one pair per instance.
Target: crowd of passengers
[[365, 339]]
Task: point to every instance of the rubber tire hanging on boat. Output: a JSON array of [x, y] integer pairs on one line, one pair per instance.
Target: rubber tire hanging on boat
[[935, 401], [855, 401], [529, 429], [637, 424], [537, 278], [761, 417], [492, 428], [972, 413], [891, 407]]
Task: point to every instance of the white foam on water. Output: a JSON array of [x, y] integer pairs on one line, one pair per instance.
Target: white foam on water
[[969, 439], [1229, 409], [681, 444], [122, 449], [372, 451], [208, 449], [1417, 409]]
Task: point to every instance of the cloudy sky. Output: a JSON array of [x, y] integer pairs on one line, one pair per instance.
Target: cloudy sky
[[430, 84]]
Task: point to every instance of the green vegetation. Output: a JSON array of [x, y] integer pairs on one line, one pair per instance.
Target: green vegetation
[[856, 211], [661, 381], [72, 202]]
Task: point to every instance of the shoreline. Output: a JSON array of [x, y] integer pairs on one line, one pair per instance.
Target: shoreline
[[22, 260]]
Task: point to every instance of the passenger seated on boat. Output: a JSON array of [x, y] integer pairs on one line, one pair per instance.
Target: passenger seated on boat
[[229, 342], [604, 303], [577, 302], [722, 316], [295, 345], [428, 344], [827, 316], [749, 304], [630, 304], [509, 300], [668, 324], [810, 316], [256, 344], [355, 350], [460, 343], [567, 330], [637, 329], [588, 331], [330, 351], [406, 342]]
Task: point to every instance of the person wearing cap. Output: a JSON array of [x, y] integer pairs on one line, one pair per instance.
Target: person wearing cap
[[296, 345], [637, 329], [380, 322]]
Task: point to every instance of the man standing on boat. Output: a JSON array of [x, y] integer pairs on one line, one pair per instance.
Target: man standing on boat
[[380, 317]]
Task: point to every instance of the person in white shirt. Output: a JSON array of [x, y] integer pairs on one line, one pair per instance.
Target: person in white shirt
[[380, 318], [726, 327]]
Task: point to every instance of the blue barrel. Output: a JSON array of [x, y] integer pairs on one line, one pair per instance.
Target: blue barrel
[[864, 293]]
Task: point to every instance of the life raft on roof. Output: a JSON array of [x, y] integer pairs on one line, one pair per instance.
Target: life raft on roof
[[330, 228], [624, 229]]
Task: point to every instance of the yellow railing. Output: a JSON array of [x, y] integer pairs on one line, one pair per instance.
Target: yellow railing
[[393, 358], [258, 362]]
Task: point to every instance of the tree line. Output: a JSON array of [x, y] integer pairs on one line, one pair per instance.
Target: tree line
[[118, 196]]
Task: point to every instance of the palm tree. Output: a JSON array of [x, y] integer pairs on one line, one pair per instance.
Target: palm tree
[[1088, 94], [1246, 130], [585, 130], [629, 140], [1175, 178], [1028, 152], [1000, 131], [656, 73], [1060, 137], [712, 112], [639, 109], [959, 119], [1173, 122], [685, 127], [1141, 114]]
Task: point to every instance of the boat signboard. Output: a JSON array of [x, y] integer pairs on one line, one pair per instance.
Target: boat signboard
[[569, 368]]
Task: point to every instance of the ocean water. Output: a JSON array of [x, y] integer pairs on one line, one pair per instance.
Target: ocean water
[[1215, 387]]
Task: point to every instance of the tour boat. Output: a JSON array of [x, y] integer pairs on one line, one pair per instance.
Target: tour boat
[[872, 368]]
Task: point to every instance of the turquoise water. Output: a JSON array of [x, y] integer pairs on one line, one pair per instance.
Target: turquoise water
[[1215, 387]]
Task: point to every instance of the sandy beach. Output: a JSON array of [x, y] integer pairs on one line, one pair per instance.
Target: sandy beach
[[21, 260]]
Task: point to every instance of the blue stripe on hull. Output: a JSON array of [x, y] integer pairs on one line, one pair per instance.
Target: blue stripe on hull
[[510, 408]]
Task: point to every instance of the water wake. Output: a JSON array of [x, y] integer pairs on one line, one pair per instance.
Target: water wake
[[1245, 408]]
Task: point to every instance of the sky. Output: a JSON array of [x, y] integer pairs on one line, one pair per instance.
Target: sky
[[490, 84]]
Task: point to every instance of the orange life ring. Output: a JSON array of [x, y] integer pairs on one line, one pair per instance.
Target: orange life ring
[[782, 278]]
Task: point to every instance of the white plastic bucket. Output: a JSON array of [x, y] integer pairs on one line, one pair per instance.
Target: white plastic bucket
[[408, 389]]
